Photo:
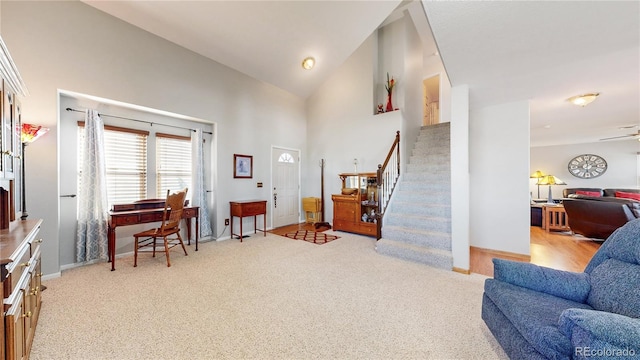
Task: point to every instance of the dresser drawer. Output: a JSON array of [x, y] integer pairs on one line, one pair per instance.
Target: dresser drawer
[[15, 270], [189, 213], [367, 229], [125, 220], [147, 218], [248, 209]]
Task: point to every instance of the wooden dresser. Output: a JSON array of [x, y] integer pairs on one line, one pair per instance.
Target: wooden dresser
[[20, 264], [356, 210]]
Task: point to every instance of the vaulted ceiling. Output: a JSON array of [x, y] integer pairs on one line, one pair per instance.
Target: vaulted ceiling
[[544, 52]]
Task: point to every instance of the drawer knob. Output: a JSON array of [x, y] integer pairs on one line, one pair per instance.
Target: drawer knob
[[39, 241], [28, 314], [34, 291], [28, 263]]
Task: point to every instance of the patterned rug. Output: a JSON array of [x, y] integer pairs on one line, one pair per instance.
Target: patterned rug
[[311, 236]]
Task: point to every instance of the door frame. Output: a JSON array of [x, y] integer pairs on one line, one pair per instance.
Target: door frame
[[271, 208]]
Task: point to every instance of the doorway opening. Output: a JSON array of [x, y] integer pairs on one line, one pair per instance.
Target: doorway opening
[[431, 100]]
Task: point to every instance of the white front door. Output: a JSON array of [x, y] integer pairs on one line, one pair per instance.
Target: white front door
[[285, 204]]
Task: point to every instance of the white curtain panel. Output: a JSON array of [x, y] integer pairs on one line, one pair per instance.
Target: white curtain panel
[[199, 196], [91, 239]]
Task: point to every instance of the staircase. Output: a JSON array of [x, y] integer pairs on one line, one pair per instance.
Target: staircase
[[417, 222]]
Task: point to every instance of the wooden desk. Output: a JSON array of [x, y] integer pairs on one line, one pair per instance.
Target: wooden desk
[[143, 216], [249, 208]]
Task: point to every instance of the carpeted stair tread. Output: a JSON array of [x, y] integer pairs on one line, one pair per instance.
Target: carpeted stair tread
[[419, 222], [429, 256], [429, 238], [428, 209]]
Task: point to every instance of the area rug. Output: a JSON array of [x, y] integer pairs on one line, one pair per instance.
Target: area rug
[[311, 236]]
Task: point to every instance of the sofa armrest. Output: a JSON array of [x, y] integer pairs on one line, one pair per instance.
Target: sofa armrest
[[567, 285], [600, 334]]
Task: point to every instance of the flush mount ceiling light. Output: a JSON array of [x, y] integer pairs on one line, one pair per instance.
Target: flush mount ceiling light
[[583, 100], [308, 63]]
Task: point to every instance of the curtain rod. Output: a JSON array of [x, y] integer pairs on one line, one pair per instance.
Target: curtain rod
[[142, 121]]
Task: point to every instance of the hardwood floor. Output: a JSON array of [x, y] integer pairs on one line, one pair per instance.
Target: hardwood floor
[[558, 250], [291, 228]]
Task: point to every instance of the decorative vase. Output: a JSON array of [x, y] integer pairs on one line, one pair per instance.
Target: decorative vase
[[389, 104]]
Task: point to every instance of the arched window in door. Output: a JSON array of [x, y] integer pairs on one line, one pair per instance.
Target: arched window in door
[[286, 158]]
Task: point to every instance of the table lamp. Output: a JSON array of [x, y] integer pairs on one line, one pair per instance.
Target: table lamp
[[537, 175], [550, 180]]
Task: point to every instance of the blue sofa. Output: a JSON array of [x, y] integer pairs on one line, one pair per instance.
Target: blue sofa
[[540, 313]]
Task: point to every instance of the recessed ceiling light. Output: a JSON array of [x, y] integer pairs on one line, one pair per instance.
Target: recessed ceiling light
[[547, 126], [308, 63], [583, 100]]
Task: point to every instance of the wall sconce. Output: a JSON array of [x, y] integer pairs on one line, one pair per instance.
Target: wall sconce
[[583, 100], [29, 134]]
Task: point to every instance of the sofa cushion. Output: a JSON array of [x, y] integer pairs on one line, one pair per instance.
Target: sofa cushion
[[612, 192], [627, 195], [535, 315], [588, 193], [615, 287], [572, 191]]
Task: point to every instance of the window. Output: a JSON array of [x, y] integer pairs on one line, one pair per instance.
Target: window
[[126, 158], [173, 163], [286, 158]]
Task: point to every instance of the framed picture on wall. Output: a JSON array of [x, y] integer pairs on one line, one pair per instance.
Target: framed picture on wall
[[242, 166]]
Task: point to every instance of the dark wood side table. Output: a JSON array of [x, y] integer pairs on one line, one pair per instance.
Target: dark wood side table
[[249, 208]]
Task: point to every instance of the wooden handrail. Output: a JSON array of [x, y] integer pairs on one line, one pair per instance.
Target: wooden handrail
[[394, 146], [385, 188]]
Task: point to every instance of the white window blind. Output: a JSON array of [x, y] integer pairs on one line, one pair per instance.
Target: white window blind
[[173, 163], [126, 158]]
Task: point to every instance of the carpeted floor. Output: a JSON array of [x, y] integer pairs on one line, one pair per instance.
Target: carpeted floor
[[311, 236], [265, 298]]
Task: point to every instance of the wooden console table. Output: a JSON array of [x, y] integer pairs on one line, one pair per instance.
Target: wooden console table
[[249, 208]]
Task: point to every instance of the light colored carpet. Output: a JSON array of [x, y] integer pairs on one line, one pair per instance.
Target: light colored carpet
[[265, 298]]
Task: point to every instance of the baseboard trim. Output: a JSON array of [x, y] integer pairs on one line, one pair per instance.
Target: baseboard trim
[[503, 254], [461, 271]]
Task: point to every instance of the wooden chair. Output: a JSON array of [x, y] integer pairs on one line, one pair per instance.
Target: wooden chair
[[169, 231]]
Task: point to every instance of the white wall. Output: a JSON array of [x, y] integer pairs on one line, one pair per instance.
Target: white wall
[[460, 215], [499, 173], [621, 158], [342, 108], [413, 101], [71, 46], [342, 126]]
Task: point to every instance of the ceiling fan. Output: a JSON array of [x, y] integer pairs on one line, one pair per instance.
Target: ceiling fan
[[637, 134]]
